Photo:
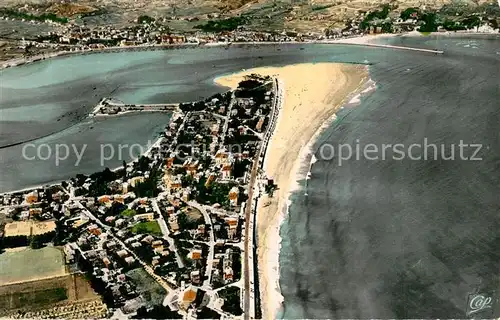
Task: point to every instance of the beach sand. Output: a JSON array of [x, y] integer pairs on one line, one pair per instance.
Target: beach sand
[[312, 95]]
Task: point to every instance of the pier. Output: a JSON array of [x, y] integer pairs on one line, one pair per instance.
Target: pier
[[110, 106], [355, 41]]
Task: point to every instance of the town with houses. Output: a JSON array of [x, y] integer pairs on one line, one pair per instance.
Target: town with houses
[[170, 234], [177, 218]]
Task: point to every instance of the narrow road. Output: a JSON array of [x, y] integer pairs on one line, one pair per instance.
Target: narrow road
[[211, 250], [226, 122], [146, 267], [166, 233]]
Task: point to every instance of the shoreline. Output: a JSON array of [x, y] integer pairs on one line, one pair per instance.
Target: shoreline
[[359, 40], [64, 53], [290, 148]]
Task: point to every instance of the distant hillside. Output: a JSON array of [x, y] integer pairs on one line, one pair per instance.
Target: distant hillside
[[184, 15]]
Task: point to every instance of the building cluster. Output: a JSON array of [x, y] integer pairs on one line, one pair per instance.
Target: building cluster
[[177, 212], [31, 213]]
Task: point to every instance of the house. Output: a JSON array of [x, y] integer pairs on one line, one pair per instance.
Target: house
[[227, 268], [94, 229], [155, 261], [173, 223], [195, 276], [124, 187], [106, 262], [135, 180], [174, 185], [188, 297], [215, 129], [221, 157], [32, 197], [232, 226], [57, 196], [129, 260], [191, 168], [170, 210], [119, 199], [201, 230], [157, 243], [136, 245], [119, 222], [185, 195], [170, 162], [144, 216], [173, 39], [195, 254], [233, 196], [104, 199], [122, 253], [148, 239], [226, 171], [259, 124], [35, 211]]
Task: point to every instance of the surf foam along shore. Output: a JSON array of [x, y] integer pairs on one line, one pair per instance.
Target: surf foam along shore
[[312, 95]]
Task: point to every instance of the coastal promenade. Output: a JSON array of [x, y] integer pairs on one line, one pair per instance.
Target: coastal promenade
[[249, 301]]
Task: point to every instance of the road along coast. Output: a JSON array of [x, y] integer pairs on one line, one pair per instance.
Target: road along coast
[[313, 93]]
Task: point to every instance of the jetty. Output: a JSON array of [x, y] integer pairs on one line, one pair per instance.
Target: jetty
[[357, 42], [111, 106]]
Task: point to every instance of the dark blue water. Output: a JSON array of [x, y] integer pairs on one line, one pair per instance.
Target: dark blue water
[[404, 238]]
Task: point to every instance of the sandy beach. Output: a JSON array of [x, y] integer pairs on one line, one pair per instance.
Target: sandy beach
[[313, 94]]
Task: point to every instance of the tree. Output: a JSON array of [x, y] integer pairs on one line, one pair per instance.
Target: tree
[[36, 242], [145, 19], [406, 14], [124, 170], [157, 312], [231, 298]]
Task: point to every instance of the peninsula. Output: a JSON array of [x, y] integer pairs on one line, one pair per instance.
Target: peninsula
[[313, 93]]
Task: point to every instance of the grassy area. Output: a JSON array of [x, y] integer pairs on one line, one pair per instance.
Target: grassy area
[[31, 17], [321, 7], [150, 227], [28, 264], [229, 24], [39, 294], [128, 213], [147, 286], [34, 298]]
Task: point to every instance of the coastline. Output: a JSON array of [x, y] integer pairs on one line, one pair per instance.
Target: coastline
[[64, 53], [325, 87], [353, 40]]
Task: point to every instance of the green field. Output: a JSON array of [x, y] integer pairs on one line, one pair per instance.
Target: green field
[[29, 264], [149, 227], [43, 296], [147, 286], [128, 213], [36, 298]]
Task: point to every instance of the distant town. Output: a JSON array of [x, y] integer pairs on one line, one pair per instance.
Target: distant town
[[164, 234]]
